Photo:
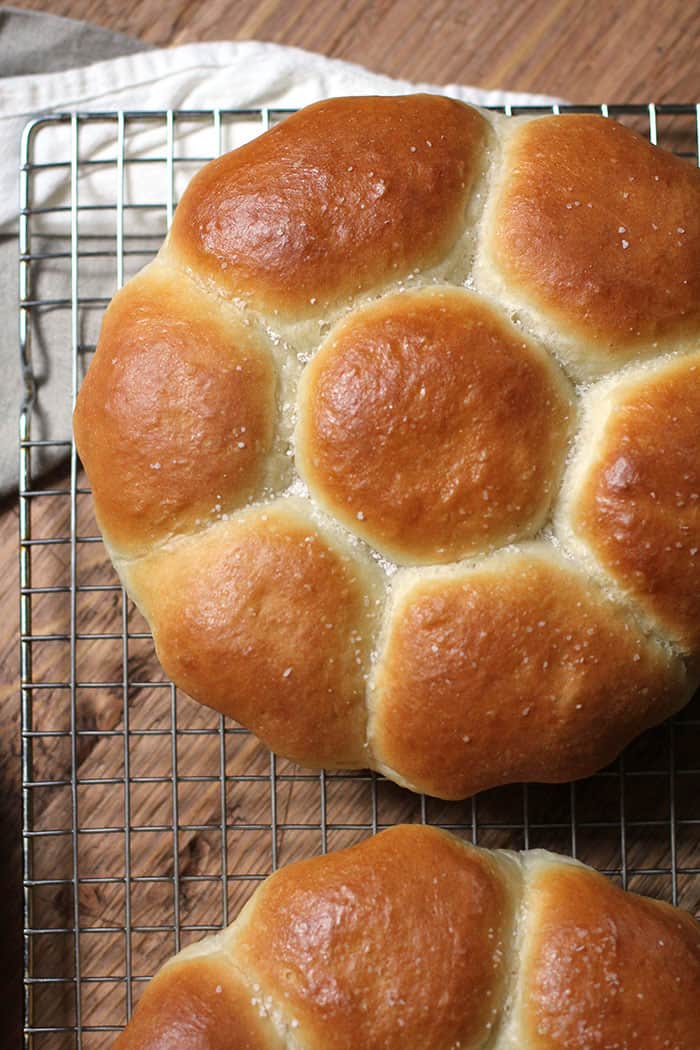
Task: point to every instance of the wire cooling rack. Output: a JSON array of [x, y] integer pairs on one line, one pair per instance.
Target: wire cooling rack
[[148, 820]]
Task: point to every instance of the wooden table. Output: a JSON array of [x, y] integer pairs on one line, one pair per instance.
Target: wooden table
[[587, 52], [592, 51]]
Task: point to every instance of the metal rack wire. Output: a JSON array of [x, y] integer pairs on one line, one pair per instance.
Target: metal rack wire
[[147, 821]]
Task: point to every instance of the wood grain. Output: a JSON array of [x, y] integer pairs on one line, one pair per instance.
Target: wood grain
[[592, 52], [586, 52]]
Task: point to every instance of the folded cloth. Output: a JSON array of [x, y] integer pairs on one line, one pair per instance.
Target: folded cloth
[[32, 41], [195, 76]]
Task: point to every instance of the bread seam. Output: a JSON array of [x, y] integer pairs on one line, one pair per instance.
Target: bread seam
[[280, 341]]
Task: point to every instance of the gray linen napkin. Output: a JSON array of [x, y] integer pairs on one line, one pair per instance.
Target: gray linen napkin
[[34, 42]]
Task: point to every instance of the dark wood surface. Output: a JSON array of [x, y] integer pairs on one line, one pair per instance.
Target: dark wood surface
[[592, 51], [587, 52]]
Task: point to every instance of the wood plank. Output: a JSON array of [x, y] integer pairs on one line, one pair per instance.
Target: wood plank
[[598, 51], [593, 52]]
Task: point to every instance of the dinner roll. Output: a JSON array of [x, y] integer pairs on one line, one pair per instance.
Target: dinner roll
[[406, 381], [341, 198], [631, 503], [176, 415], [595, 235], [269, 617], [521, 668], [415, 939], [432, 428]]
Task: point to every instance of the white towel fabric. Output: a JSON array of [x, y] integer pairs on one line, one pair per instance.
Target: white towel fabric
[[194, 76]]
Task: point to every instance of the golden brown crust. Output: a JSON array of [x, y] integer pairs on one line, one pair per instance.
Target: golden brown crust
[[637, 506], [198, 1003], [521, 671], [414, 939], [344, 196], [603, 968], [599, 233], [399, 942], [431, 427], [428, 424], [267, 620], [176, 414]]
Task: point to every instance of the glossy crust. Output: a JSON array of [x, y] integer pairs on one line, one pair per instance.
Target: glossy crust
[[431, 427], [268, 618], [597, 234], [199, 1002], [402, 942], [428, 421], [176, 415], [633, 499], [603, 968], [414, 940], [522, 670], [343, 197]]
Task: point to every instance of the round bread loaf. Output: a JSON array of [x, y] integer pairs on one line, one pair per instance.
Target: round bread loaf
[[416, 939], [396, 442]]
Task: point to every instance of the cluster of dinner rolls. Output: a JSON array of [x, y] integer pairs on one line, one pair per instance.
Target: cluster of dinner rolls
[[415, 940], [396, 444]]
